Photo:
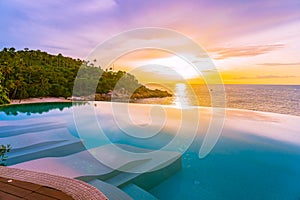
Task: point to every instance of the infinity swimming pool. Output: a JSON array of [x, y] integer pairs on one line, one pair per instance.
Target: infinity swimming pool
[[256, 157]]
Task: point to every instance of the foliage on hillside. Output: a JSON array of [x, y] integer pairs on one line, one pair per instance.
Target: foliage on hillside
[[29, 73], [3, 93], [33, 73]]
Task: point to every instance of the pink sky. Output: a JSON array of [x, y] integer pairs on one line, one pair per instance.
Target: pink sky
[[249, 41]]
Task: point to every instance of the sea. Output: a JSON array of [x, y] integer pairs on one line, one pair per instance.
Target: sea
[[283, 99]]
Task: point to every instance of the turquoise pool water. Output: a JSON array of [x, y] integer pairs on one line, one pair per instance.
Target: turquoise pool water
[[241, 165]]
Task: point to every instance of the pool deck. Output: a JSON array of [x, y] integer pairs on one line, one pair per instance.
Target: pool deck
[[16, 184], [14, 189]]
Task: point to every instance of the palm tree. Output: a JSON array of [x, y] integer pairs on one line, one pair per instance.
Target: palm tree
[[3, 93]]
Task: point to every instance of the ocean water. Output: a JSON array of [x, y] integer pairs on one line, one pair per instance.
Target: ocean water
[[283, 99]]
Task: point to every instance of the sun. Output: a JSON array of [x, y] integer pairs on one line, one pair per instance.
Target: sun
[[156, 65]]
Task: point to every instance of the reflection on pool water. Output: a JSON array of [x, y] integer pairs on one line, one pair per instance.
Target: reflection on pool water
[[242, 165]]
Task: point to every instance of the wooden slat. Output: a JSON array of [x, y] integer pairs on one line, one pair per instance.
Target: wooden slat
[[37, 196], [21, 184], [53, 193], [6, 196], [74, 188], [17, 191], [4, 180]]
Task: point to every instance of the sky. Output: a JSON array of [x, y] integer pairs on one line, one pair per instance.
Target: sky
[[249, 42]]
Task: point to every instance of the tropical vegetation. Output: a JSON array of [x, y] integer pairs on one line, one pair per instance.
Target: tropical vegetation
[[34, 73]]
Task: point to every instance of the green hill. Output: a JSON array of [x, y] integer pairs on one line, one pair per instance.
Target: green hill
[[34, 73]]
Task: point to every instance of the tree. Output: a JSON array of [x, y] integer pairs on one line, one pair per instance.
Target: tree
[[34, 73], [3, 93]]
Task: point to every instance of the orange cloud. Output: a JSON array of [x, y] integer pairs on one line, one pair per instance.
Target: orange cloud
[[247, 51], [144, 54], [264, 77], [279, 64]]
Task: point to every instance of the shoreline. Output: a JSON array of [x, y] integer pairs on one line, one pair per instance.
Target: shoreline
[[38, 100], [62, 99]]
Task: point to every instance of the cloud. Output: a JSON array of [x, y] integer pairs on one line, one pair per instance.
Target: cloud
[[143, 55], [68, 7], [56, 22], [156, 73], [54, 47], [246, 51], [279, 64], [80, 25], [263, 77]]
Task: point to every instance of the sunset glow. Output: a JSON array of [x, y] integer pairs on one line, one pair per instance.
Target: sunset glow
[[253, 43]]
